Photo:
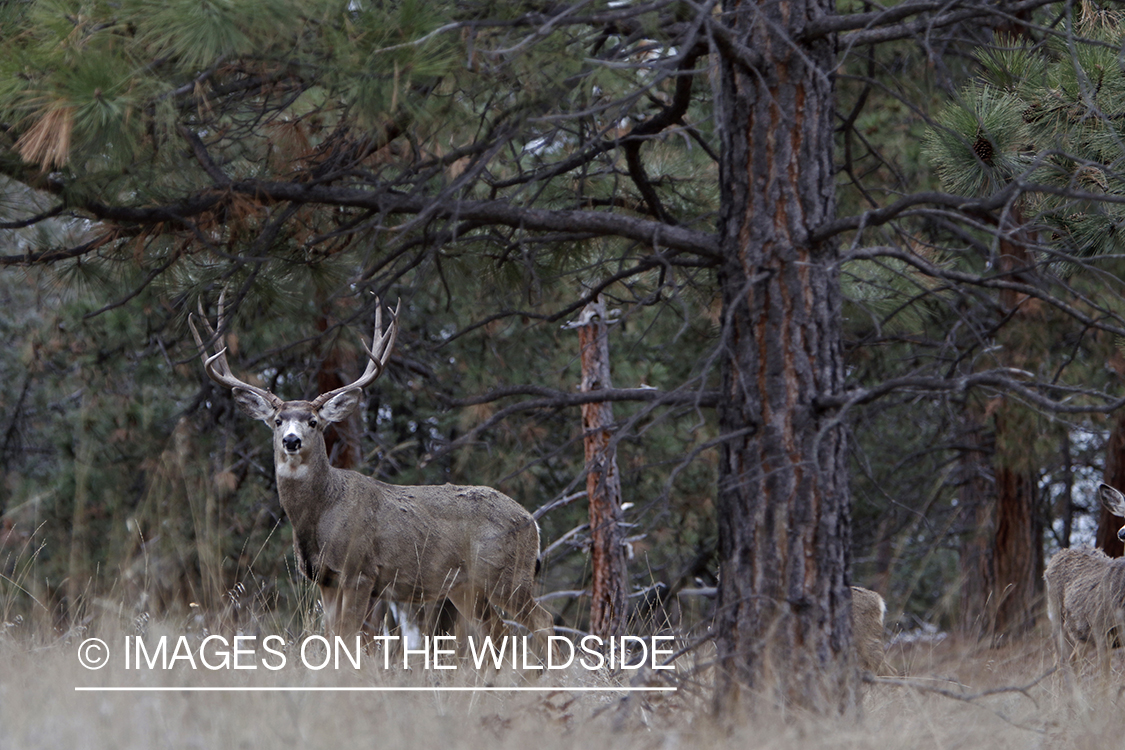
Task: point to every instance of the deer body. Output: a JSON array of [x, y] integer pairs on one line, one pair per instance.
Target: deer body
[[414, 544], [359, 538], [1086, 593], [868, 613]]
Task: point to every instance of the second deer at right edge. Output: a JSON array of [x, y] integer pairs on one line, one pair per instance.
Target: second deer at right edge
[[1086, 594]]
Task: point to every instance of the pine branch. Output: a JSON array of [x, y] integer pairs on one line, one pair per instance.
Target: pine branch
[[868, 28]]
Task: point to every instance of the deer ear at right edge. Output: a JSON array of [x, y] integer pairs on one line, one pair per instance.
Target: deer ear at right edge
[[252, 404], [339, 406], [1112, 499]]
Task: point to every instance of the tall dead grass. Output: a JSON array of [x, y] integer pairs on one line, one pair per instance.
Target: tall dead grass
[[950, 694]]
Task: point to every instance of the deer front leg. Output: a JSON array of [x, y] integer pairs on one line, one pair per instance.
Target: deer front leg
[[346, 604], [330, 600]]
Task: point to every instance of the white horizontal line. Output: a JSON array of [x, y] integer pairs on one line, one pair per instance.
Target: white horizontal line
[[288, 689]]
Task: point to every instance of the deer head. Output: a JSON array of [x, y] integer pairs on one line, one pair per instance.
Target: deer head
[[1114, 502], [298, 426]]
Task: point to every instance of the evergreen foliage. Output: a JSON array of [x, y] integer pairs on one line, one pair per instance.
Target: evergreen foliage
[[146, 104], [496, 166], [1045, 115]]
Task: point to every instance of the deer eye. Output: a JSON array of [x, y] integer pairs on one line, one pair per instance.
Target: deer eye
[[312, 423], [277, 422]]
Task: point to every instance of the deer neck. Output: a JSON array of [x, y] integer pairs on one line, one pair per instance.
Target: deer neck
[[302, 482]]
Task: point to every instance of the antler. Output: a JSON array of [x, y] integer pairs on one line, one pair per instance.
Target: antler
[[216, 365], [377, 355]]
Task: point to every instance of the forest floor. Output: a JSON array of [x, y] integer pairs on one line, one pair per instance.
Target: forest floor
[[944, 694]]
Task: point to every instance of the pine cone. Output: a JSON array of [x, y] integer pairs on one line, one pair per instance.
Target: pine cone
[[982, 147]]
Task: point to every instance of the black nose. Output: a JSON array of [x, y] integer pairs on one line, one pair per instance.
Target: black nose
[[291, 443]]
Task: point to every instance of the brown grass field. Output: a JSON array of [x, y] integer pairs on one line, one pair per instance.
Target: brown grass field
[[945, 695]]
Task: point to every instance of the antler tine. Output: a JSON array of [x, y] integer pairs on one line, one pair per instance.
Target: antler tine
[[215, 365], [381, 345], [378, 354], [221, 320]]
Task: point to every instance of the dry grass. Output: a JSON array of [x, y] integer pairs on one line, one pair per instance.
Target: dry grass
[[952, 695]]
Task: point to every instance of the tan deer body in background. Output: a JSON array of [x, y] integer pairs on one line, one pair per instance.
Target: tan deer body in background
[[1086, 594], [868, 614], [359, 538]]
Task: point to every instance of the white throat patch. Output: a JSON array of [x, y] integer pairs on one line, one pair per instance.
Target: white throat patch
[[291, 466]]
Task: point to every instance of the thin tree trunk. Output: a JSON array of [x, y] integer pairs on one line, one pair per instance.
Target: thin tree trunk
[[1068, 492], [78, 573], [603, 483], [975, 497], [209, 546], [783, 628]]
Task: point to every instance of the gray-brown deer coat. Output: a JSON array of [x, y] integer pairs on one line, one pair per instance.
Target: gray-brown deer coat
[[868, 614], [359, 538], [1086, 593]]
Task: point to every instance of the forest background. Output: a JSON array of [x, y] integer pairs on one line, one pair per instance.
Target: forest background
[[859, 265]]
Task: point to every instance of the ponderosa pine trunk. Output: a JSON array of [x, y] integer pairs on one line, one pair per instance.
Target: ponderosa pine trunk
[[1017, 545], [1016, 570], [783, 507]]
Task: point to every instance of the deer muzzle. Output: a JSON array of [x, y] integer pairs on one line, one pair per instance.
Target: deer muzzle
[[291, 443]]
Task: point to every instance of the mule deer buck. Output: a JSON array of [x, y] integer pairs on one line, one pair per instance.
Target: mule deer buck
[[359, 538], [1086, 594]]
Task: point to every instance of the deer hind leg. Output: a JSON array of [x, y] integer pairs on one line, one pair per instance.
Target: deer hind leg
[[477, 620], [511, 593], [479, 616], [522, 607], [1063, 655]]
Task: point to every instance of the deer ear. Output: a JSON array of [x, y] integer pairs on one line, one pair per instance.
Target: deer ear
[[253, 404], [339, 406], [1113, 500]]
